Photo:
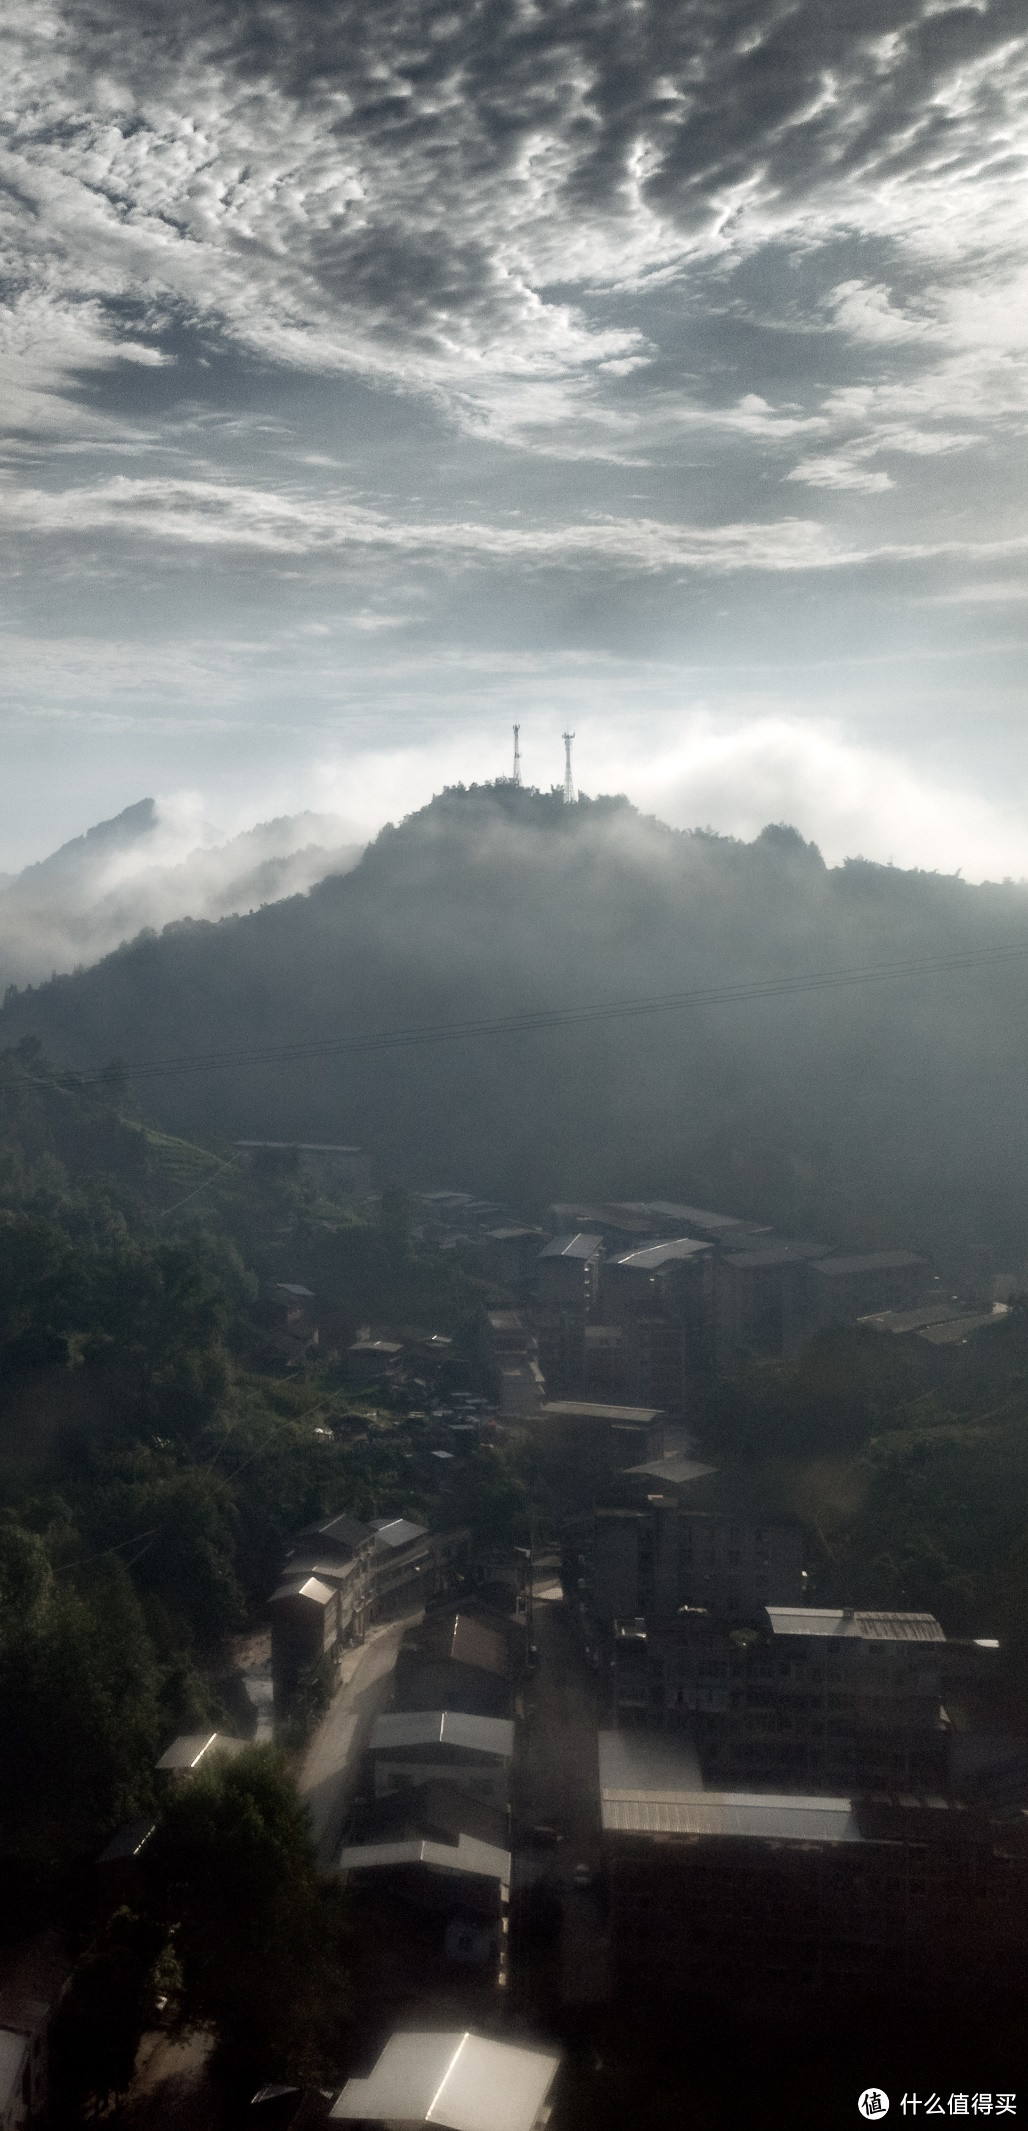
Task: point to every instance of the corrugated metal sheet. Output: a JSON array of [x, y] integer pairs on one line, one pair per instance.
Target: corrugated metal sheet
[[862, 1627], [579, 1246], [467, 2082], [749, 1817], [443, 1727], [480, 1860], [398, 1531]]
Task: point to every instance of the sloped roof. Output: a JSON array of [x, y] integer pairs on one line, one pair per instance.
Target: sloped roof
[[577, 1246], [442, 1727], [478, 1860], [464, 1641], [462, 2081], [190, 1748], [395, 1532]]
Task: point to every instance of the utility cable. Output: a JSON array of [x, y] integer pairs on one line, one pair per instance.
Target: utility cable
[[542, 1018]]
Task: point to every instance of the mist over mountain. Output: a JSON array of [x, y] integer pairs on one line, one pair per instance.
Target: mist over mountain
[[891, 1112], [147, 866]]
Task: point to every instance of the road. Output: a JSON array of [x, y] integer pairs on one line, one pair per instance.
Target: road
[[331, 1763], [558, 1787]]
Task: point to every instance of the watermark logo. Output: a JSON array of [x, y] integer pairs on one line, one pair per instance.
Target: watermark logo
[[873, 2103]]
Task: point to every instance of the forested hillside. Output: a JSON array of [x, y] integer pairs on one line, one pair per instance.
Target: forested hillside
[[884, 1113]]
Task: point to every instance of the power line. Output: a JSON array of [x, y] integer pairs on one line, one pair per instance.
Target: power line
[[541, 1018]]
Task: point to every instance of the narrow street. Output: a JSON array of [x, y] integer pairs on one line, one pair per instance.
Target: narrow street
[[558, 1790], [332, 1760]]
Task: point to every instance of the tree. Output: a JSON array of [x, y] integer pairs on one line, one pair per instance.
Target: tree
[[232, 1874]]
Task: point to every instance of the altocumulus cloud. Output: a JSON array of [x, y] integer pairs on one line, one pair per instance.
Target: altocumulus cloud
[[670, 289]]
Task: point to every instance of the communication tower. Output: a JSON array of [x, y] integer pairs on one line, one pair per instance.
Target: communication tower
[[569, 782], [516, 779]]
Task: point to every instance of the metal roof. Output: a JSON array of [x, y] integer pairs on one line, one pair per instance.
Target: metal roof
[[574, 1409], [301, 1586], [701, 1217], [395, 1532], [578, 1246], [479, 1860], [652, 1256], [465, 2082], [190, 1748], [749, 1816], [862, 1627], [341, 1531], [464, 1640], [127, 1842], [14, 2048], [678, 1469], [403, 1728]]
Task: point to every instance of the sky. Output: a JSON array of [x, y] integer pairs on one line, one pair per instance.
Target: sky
[[374, 376]]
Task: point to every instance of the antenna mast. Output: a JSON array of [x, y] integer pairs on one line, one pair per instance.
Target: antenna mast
[[569, 782], [516, 779]]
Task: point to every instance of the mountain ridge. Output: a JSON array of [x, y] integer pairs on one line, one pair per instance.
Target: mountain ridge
[[894, 1116]]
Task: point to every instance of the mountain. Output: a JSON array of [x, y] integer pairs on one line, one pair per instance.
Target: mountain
[[883, 1113], [147, 867]]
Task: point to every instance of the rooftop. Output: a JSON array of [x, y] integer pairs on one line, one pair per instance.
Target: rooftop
[[302, 1586], [403, 1728], [752, 1816], [190, 1748], [342, 1533], [13, 2047], [464, 1641], [479, 1860], [651, 1257], [395, 1532], [466, 2082], [839, 1622], [127, 1842], [577, 1246], [574, 1409]]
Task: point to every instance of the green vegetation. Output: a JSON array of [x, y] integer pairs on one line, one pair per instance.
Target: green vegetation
[[909, 1465], [889, 1114]]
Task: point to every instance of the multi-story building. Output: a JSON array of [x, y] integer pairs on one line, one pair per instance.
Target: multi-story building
[[653, 1560], [820, 1700], [768, 1896], [844, 1288], [567, 1273]]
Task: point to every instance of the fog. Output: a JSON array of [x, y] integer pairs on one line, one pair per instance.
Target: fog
[[154, 862], [885, 1113]]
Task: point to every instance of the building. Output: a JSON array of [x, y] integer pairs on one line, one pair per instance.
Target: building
[[767, 1898], [410, 1747], [820, 1700], [457, 2080], [194, 1750], [653, 1560], [411, 1566], [845, 1288], [510, 1352], [606, 1438], [305, 1629], [455, 1661], [568, 1272], [345, 1169], [764, 1304], [459, 1879], [367, 1361], [33, 1976]]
